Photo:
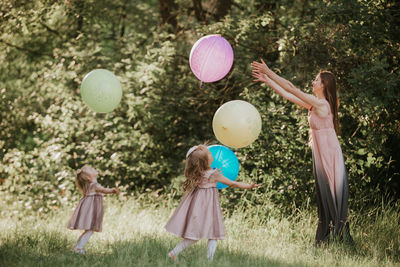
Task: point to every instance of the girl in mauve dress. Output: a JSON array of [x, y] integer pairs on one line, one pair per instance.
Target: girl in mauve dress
[[199, 215], [330, 175], [88, 215]]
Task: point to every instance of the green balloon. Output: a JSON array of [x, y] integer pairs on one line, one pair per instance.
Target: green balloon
[[101, 90]]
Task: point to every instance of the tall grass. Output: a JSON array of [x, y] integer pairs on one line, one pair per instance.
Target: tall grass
[[133, 235]]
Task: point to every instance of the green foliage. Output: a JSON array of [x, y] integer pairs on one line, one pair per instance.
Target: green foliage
[[47, 131]]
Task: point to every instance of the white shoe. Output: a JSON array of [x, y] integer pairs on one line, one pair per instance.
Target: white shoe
[[79, 250]]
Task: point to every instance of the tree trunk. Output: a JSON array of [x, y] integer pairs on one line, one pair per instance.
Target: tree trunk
[[263, 6], [222, 8], [77, 8], [198, 10], [80, 6], [167, 10], [123, 19]]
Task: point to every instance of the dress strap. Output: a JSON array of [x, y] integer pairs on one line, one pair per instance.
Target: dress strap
[[90, 188], [327, 102], [211, 178], [329, 107], [210, 173], [92, 184]]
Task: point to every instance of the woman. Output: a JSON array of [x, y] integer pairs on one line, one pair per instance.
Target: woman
[[329, 169]]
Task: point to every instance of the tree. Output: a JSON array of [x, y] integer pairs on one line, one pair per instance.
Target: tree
[[167, 9], [222, 8]]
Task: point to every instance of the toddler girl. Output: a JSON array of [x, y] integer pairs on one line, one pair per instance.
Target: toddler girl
[[199, 214], [88, 215]]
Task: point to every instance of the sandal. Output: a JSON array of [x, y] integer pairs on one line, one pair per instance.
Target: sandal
[[172, 257]]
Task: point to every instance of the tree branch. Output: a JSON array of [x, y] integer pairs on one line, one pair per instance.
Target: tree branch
[[24, 49], [50, 29], [198, 10]]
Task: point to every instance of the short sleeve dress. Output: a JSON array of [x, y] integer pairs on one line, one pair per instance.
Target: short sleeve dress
[[199, 213], [88, 215], [330, 178]]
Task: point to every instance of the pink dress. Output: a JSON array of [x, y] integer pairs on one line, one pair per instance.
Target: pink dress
[[199, 214], [330, 178], [88, 215]]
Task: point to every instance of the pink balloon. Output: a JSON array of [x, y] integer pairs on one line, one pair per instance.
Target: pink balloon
[[211, 58]]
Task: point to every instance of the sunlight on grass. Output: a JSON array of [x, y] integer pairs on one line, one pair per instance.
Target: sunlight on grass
[[134, 235]]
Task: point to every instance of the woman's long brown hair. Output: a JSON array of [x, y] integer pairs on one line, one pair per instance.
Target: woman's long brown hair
[[331, 95], [196, 164]]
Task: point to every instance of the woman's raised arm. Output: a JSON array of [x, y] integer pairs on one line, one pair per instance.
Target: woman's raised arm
[[305, 100], [261, 77]]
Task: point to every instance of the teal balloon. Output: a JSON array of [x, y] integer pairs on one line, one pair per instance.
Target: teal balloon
[[101, 90], [226, 161]]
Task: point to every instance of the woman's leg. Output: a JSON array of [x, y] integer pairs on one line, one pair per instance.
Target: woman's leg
[[326, 205], [211, 246], [342, 194], [181, 246]]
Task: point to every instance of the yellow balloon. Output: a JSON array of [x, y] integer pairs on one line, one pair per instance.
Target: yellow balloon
[[237, 124]]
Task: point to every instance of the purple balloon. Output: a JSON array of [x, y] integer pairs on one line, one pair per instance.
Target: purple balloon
[[211, 58]]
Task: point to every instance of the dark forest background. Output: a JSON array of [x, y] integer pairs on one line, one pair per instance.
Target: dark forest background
[[47, 132]]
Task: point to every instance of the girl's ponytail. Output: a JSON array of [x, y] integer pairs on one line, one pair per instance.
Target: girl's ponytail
[[82, 180]]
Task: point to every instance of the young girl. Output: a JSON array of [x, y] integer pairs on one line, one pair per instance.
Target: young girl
[[199, 214], [329, 170], [88, 215]]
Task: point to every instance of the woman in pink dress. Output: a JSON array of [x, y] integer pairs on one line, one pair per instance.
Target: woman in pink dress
[[199, 215], [329, 169]]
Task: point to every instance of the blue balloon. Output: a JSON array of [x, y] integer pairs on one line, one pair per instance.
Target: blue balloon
[[226, 161]]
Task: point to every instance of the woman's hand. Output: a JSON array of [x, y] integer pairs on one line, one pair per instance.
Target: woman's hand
[[260, 67], [261, 77]]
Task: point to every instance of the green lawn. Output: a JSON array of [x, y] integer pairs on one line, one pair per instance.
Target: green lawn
[[134, 235]]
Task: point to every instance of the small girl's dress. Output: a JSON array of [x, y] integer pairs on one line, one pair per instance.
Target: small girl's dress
[[199, 214], [88, 215]]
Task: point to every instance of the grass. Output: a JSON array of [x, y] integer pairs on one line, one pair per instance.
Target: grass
[[134, 235]]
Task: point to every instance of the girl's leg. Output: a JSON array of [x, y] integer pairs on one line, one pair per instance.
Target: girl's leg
[[181, 246], [83, 239], [211, 246], [79, 238]]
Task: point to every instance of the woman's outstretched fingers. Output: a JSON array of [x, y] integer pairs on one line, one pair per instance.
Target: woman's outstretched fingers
[[262, 67], [256, 75], [259, 77], [255, 65]]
